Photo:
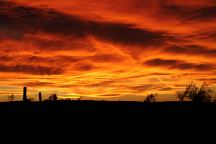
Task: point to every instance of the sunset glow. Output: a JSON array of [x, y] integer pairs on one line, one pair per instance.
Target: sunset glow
[[106, 49]]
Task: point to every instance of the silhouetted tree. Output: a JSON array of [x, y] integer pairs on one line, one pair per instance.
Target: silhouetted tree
[[53, 97], [181, 95], [195, 93], [214, 99], [151, 98], [11, 98]]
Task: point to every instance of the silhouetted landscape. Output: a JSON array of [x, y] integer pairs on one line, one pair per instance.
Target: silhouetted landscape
[[108, 57], [201, 103]]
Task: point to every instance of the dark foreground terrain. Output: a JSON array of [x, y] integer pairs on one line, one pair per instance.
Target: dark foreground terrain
[[105, 107], [110, 115]]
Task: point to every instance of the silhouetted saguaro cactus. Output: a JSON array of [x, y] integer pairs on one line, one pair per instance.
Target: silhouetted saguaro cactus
[[40, 97], [25, 94]]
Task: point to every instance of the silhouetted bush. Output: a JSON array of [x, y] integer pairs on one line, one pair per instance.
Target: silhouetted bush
[[151, 98], [53, 97], [195, 93], [11, 98]]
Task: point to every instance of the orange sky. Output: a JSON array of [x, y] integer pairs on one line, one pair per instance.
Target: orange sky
[[106, 49]]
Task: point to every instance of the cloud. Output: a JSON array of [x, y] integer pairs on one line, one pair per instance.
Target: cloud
[[17, 21], [190, 50], [160, 74], [55, 60], [187, 12], [83, 67], [59, 63], [166, 89], [5, 58], [106, 58], [41, 60], [110, 95], [202, 14], [145, 87], [208, 80], [205, 35], [58, 43], [31, 69], [179, 64], [126, 34], [38, 84], [101, 84]]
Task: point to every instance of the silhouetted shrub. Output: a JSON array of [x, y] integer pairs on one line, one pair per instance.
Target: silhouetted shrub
[[11, 98], [195, 93], [53, 97], [180, 96], [151, 98], [214, 99]]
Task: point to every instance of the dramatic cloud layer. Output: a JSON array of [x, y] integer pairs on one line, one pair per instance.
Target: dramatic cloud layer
[[106, 49], [181, 65]]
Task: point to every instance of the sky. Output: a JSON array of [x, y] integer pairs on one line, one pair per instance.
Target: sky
[[106, 49]]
